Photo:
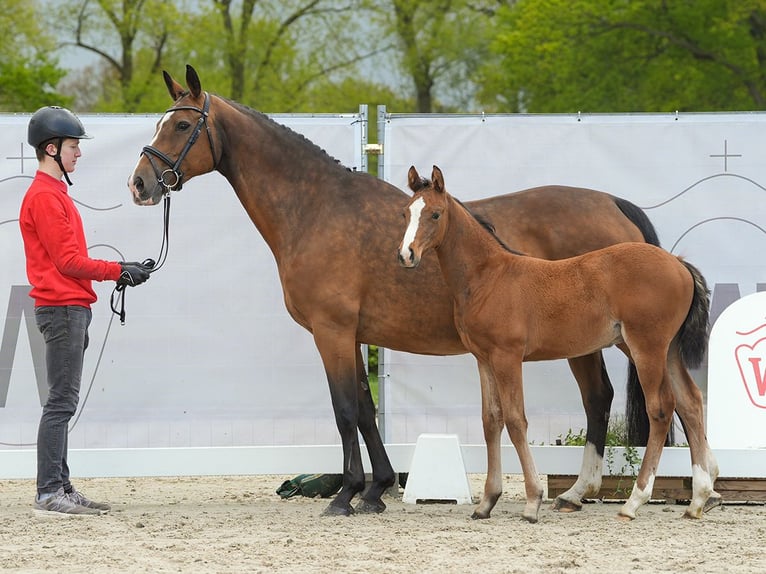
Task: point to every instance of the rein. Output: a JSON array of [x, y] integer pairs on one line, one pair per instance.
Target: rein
[[118, 293]]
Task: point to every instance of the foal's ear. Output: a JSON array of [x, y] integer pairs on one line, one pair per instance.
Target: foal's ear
[[438, 179], [414, 181], [174, 88], [192, 80]]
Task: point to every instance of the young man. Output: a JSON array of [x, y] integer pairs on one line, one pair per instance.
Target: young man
[[61, 272]]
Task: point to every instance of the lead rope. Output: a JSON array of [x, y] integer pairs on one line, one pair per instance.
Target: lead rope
[[118, 293]]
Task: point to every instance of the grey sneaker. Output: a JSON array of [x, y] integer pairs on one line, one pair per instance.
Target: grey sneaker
[[78, 498], [61, 504]]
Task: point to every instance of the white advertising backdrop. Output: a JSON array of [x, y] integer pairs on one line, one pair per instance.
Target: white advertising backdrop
[[700, 178], [211, 376], [208, 356]]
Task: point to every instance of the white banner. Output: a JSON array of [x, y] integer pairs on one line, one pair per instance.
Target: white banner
[[700, 178], [208, 355]]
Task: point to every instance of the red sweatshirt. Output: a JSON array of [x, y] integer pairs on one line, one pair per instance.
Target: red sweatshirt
[[58, 266]]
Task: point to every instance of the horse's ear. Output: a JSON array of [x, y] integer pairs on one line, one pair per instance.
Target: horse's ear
[[192, 80], [438, 179], [414, 181], [174, 88]]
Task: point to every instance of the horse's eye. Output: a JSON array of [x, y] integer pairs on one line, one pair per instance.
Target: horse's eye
[[182, 126], [435, 215]]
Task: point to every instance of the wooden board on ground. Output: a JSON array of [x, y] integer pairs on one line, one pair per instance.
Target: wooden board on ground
[[672, 489]]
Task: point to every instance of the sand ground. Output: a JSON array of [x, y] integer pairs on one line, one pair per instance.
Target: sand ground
[[239, 524]]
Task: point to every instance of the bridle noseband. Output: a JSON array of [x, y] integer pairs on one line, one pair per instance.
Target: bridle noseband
[[173, 168]]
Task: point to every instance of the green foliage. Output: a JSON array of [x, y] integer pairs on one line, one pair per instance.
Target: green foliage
[[617, 56], [424, 55], [29, 70], [616, 436]]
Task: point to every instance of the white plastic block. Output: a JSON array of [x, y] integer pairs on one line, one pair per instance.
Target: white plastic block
[[437, 472]]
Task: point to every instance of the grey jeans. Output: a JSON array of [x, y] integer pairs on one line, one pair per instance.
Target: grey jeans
[[65, 331]]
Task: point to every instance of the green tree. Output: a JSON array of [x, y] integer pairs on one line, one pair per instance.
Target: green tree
[[284, 55], [618, 56], [438, 46], [29, 69], [132, 40]]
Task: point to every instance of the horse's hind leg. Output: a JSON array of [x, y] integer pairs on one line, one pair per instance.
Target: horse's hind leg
[[492, 420], [660, 405], [704, 466], [597, 394], [382, 471]]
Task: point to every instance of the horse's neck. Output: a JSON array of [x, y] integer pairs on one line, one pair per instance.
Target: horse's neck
[[273, 178], [468, 251]]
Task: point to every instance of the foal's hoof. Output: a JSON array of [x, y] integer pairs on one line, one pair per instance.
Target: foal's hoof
[[712, 502], [566, 506], [370, 506], [334, 510]]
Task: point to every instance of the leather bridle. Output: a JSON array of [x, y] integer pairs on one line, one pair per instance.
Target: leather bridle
[[170, 177]]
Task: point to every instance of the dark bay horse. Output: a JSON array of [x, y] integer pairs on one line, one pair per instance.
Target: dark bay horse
[[511, 308], [333, 231]]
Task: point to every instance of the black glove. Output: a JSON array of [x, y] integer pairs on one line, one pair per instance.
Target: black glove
[[133, 273]]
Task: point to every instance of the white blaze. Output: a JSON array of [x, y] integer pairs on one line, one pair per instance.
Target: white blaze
[[416, 207], [164, 119]]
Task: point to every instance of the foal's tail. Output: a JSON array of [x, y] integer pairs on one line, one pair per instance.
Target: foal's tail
[[693, 335]]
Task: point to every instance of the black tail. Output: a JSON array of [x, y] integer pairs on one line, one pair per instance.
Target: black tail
[[637, 216], [693, 336], [636, 420]]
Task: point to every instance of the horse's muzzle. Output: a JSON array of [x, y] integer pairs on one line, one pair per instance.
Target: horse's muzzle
[[407, 258], [139, 193]]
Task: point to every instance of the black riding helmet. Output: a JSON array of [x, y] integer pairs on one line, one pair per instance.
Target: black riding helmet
[[54, 123]]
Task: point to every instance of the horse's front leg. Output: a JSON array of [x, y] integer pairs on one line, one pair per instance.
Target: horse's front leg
[[506, 368], [339, 357], [597, 394], [492, 420], [383, 475]]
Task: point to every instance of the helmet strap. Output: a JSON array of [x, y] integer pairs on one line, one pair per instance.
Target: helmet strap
[[57, 157]]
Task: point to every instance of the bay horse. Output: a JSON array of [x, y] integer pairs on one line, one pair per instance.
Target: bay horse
[[332, 233], [511, 308]]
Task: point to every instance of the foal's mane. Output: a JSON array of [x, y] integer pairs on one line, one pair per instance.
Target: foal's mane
[[292, 134], [480, 219]]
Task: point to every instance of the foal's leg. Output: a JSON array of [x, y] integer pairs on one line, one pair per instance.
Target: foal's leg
[[655, 380], [508, 381], [339, 351], [597, 393], [704, 466], [382, 471], [492, 420]]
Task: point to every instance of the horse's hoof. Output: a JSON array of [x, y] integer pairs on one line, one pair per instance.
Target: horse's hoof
[[333, 510], [370, 506], [624, 517], [530, 519], [712, 503], [566, 506], [479, 515]]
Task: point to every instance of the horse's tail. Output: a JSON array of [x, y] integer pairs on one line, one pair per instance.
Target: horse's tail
[[638, 217], [636, 419], [692, 337]]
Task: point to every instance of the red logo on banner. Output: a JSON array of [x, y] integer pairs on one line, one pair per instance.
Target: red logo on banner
[[751, 360]]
